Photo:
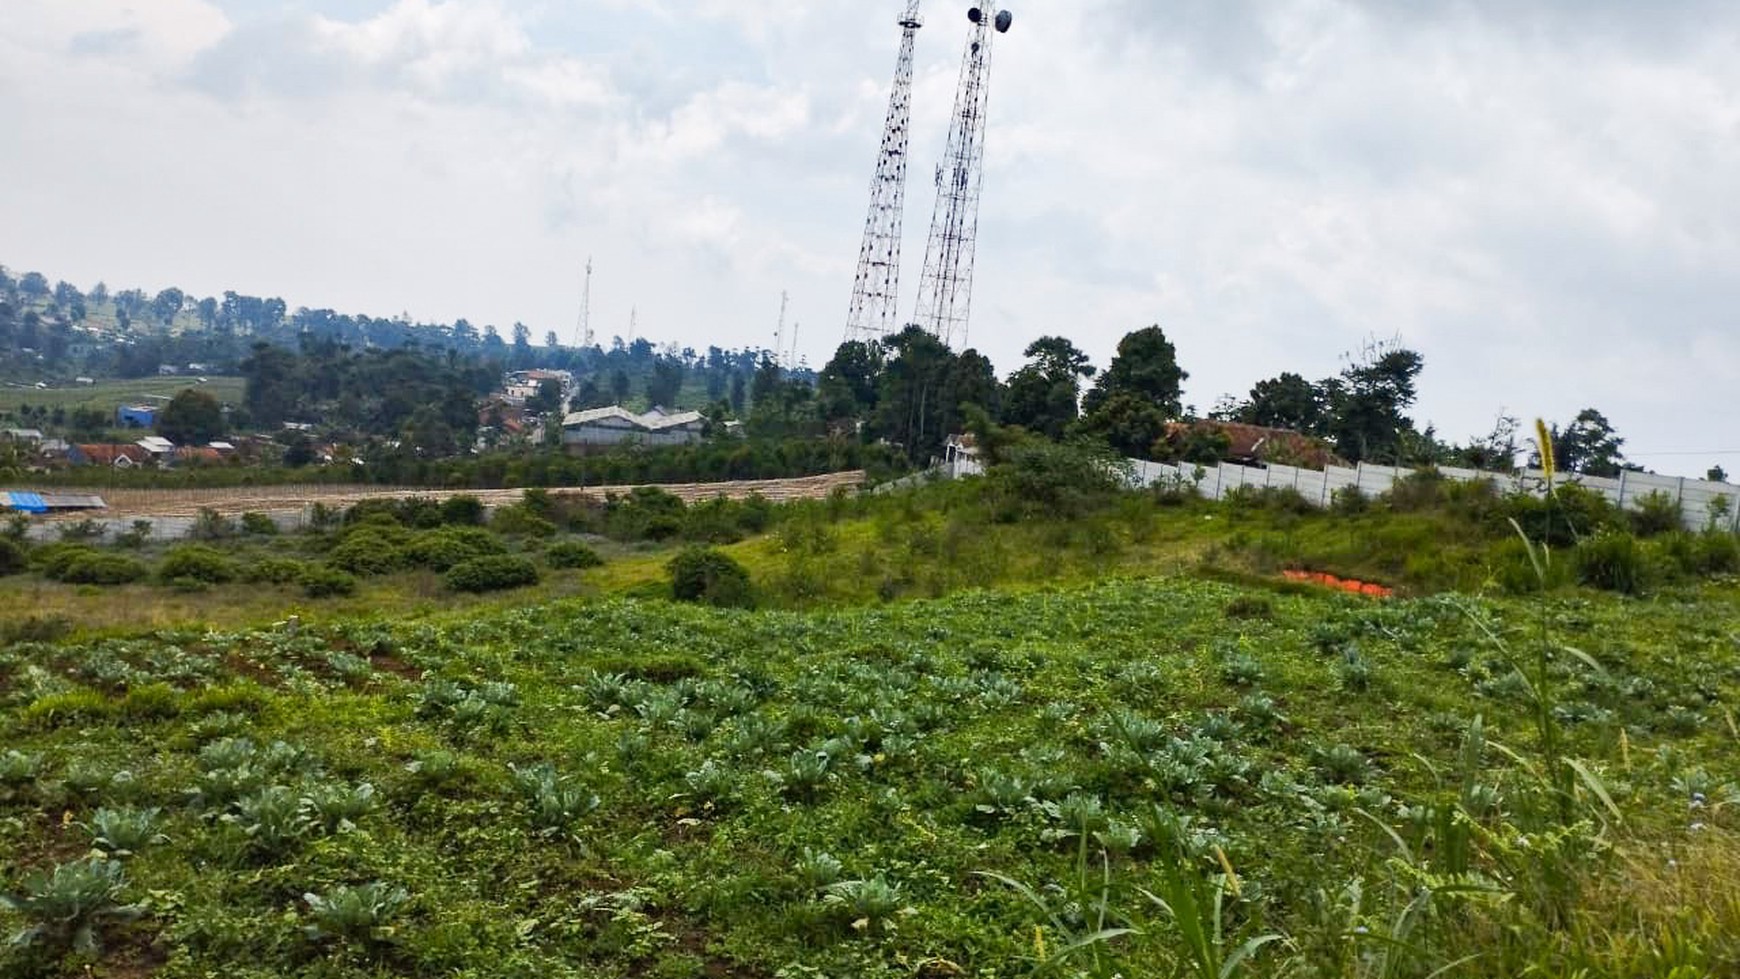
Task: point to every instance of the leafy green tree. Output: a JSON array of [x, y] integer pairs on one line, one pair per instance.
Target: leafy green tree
[[191, 418], [1146, 367], [1288, 401], [847, 386], [666, 382], [915, 405], [1588, 445], [87, 422], [167, 304], [1717, 475], [1045, 395], [1369, 401], [548, 398], [274, 384], [1129, 423]]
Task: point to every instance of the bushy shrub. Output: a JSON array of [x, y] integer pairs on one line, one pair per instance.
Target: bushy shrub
[[495, 573], [462, 511], [1040, 477], [1425, 489], [520, 521], [259, 525], [53, 560], [705, 574], [105, 569], [193, 562], [645, 513], [211, 525], [12, 557], [1569, 515], [321, 581], [275, 571], [439, 550], [1612, 562], [1349, 501], [371, 550], [1656, 514], [572, 554]]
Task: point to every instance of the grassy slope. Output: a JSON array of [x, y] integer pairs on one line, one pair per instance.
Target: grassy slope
[[674, 875], [111, 394]]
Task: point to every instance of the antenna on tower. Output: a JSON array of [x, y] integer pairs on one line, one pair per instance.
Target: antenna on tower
[[585, 327], [875, 293], [779, 331], [945, 293], [794, 346], [633, 322]]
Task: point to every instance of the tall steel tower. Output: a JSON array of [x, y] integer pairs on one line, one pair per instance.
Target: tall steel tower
[[945, 293], [875, 293], [584, 328]]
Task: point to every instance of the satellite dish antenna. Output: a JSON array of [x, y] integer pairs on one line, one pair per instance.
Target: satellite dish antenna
[[1005, 20], [975, 15]]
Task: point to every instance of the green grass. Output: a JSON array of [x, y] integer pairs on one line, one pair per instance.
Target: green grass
[[949, 742], [982, 733], [108, 395]]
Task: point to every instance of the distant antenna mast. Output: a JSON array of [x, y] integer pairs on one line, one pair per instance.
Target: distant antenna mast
[[585, 330], [794, 345], [633, 322], [779, 331], [876, 292], [945, 294]]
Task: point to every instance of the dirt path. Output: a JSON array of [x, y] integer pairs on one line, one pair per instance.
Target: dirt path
[[132, 503]]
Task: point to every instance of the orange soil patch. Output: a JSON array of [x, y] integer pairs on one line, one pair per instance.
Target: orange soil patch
[[1349, 585]]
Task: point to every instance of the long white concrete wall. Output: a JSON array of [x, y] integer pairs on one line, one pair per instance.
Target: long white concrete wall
[[1697, 498]]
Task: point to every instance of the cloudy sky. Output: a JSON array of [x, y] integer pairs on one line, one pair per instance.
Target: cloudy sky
[[1543, 196]]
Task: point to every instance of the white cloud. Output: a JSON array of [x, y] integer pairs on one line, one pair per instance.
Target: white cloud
[[1538, 194]]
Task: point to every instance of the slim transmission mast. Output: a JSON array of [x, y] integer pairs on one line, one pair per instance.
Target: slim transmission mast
[[875, 293], [585, 330], [945, 293]]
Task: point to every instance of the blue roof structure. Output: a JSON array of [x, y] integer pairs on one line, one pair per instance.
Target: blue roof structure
[[25, 502]]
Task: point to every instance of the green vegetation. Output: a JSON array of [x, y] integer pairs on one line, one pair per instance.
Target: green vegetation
[[1029, 724], [1005, 779]]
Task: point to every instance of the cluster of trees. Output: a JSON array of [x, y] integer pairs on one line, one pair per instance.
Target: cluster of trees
[[141, 332], [427, 400]]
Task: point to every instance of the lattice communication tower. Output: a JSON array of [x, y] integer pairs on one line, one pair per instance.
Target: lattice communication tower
[[945, 293], [876, 292]]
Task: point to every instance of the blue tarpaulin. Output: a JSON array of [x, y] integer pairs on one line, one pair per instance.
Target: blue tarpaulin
[[27, 502]]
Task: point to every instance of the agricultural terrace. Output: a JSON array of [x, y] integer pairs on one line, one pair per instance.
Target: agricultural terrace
[[1015, 726]]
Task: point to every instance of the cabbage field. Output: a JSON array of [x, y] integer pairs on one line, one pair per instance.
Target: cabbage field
[[1144, 777]]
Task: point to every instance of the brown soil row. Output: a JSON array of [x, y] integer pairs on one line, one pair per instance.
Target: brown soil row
[[232, 501]]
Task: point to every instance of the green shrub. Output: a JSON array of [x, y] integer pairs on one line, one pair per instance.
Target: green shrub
[[645, 513], [572, 554], [12, 557], [519, 520], [1349, 501], [194, 562], [439, 550], [53, 560], [704, 574], [275, 571], [1612, 562], [211, 525], [495, 573], [371, 550], [1569, 515], [462, 511], [259, 525], [322, 581], [105, 569], [1656, 514]]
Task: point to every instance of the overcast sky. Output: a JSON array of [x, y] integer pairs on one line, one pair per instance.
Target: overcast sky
[[1543, 196]]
